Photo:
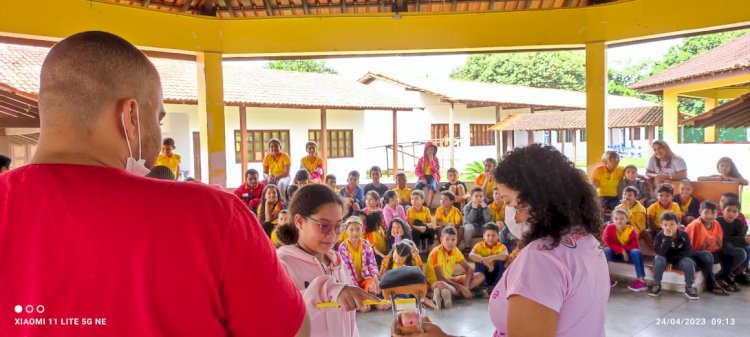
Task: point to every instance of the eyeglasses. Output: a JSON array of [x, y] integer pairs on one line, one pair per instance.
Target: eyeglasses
[[325, 228]]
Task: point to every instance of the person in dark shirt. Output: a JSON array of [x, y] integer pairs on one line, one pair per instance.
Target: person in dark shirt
[[734, 237], [376, 185], [689, 205], [673, 246]]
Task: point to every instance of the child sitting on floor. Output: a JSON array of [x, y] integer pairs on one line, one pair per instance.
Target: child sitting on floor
[[270, 206], [497, 208], [354, 197], [485, 180], [727, 172], [689, 205], [359, 258], [631, 178], [392, 208], [622, 246], [403, 191], [636, 211], [331, 182], [375, 235], [397, 230], [664, 202], [283, 220], [439, 271], [420, 220], [673, 246], [476, 215], [456, 187], [372, 202], [489, 255], [376, 185], [448, 215]]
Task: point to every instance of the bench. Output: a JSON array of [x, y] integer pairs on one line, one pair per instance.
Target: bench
[[711, 190], [673, 279]]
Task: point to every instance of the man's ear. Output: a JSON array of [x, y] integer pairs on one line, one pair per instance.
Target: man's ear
[[126, 110]]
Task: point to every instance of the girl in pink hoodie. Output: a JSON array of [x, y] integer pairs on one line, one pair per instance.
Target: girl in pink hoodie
[[428, 172], [315, 269]]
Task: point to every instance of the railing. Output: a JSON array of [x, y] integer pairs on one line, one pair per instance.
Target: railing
[[414, 151]]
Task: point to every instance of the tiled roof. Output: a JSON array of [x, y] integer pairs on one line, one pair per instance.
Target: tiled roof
[[21, 67], [18, 109], [567, 120], [733, 114], [510, 96], [731, 56]]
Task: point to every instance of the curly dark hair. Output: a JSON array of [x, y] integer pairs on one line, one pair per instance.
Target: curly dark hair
[[389, 239], [559, 195], [306, 202]]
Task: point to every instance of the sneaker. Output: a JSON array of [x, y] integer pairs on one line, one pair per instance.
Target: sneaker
[[691, 293], [731, 286], [447, 299], [716, 289], [612, 283], [436, 298], [656, 290], [638, 285]]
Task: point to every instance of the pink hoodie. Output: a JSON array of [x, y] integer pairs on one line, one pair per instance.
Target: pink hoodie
[[434, 164], [318, 284]]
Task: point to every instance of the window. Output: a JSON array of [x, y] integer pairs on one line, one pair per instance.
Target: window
[[636, 133], [481, 135], [257, 143], [439, 133], [650, 133], [559, 135], [340, 142], [570, 136], [583, 136]]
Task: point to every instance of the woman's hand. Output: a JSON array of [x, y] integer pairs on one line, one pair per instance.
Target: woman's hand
[[430, 330], [352, 298]]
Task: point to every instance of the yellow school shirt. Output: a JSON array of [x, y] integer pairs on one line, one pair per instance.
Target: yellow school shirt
[[356, 255], [274, 237], [311, 165], [427, 168], [172, 162], [484, 250], [608, 181], [424, 215], [624, 236], [636, 215], [377, 240], [439, 257], [498, 214], [490, 185], [454, 216], [277, 166], [654, 213], [403, 193]]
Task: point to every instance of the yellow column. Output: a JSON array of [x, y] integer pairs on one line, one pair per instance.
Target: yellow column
[[596, 93], [211, 115], [709, 133], [670, 123]]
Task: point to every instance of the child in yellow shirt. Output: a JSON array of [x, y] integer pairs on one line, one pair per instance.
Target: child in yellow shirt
[[403, 191], [168, 158], [606, 178], [489, 255], [448, 215], [420, 220], [664, 196], [439, 271]]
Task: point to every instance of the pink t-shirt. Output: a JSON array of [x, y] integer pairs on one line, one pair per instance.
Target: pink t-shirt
[[571, 279]]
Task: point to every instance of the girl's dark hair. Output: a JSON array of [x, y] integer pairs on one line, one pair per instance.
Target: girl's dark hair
[[450, 195], [388, 195], [733, 171], [373, 221], [306, 202], [389, 238], [262, 206], [373, 194], [558, 194], [161, 172], [403, 249]]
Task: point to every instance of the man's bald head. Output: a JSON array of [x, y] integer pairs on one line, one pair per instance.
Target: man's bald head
[[86, 74]]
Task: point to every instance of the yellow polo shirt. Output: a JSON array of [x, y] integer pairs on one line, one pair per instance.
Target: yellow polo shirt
[[424, 215], [439, 257], [490, 185], [636, 215], [403, 193], [277, 166], [453, 216], [172, 162], [484, 250], [498, 214], [654, 213], [608, 181]]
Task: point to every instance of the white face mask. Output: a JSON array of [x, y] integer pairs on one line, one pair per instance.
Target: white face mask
[[136, 167], [517, 229]]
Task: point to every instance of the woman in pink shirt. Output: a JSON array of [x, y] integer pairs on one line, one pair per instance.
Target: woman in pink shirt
[[315, 269], [559, 283]]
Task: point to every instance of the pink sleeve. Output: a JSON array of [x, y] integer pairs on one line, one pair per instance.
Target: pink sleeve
[[252, 274], [402, 213], [537, 276], [324, 288], [419, 169], [387, 216]]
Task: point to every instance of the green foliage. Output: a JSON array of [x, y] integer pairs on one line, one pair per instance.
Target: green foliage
[[562, 70], [472, 170], [302, 66]]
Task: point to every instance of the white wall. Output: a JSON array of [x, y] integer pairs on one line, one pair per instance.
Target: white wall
[[176, 125], [701, 158]]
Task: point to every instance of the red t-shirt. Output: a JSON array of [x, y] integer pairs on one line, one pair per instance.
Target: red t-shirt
[[151, 257]]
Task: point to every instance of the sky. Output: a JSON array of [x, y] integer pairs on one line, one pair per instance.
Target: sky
[[440, 66]]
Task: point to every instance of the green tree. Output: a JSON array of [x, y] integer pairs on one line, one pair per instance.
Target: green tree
[[303, 66], [562, 70]]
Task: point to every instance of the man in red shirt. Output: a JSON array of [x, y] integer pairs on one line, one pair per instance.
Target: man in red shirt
[[95, 254]]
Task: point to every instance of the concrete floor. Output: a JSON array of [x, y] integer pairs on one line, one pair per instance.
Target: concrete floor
[[628, 314]]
